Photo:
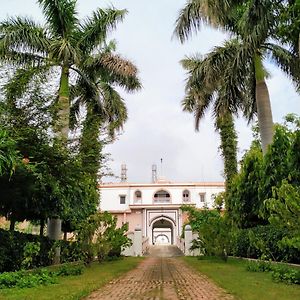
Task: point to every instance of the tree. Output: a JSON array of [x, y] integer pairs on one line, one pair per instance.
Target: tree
[[64, 42], [104, 105], [202, 93], [252, 24], [242, 202], [99, 236], [212, 229], [284, 209], [8, 153], [288, 31]]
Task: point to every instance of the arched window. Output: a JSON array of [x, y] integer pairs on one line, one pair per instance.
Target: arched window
[[162, 197], [137, 196], [186, 196]]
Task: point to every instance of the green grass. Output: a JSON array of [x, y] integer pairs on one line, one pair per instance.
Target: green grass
[[74, 287], [233, 277]]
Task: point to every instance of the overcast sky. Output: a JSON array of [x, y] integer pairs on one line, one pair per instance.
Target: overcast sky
[[157, 128]]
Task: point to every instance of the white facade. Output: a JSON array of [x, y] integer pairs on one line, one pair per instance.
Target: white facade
[[154, 208]]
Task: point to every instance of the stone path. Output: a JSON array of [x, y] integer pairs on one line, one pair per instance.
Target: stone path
[[161, 278]]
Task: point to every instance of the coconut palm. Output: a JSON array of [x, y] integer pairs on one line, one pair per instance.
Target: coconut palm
[[251, 26], [62, 43]]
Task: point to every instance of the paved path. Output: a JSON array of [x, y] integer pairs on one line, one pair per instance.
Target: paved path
[[161, 278]]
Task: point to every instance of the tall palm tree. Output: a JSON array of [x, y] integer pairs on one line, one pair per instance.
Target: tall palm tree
[[104, 105], [62, 43], [251, 26], [204, 89]]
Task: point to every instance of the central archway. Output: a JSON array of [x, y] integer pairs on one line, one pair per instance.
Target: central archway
[[162, 232]]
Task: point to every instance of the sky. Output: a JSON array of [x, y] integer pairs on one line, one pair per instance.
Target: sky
[[157, 128]]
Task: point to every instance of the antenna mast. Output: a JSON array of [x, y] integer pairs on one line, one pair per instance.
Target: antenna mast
[[123, 173]]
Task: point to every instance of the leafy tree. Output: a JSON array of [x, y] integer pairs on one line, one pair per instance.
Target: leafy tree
[[8, 153], [242, 201], [251, 24], [64, 43], [259, 175], [212, 229], [284, 208], [289, 23], [99, 236]]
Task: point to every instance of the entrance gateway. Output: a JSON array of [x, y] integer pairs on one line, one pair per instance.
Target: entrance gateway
[[153, 210], [163, 226]]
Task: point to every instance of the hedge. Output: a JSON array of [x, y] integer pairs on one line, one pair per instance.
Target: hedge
[[12, 250], [12, 245], [266, 243]]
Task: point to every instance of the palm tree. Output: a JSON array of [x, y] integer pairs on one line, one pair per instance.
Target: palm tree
[[204, 89], [251, 26], [62, 43], [104, 105]]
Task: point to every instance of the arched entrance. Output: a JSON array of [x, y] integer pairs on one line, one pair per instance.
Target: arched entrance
[[162, 232]]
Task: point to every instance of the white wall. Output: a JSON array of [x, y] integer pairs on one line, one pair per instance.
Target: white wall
[[110, 196]]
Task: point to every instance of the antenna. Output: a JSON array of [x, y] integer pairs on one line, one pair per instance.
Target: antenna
[[123, 173], [154, 173]]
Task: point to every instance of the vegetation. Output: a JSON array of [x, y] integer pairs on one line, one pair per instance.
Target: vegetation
[[22, 279], [234, 73], [74, 287], [44, 173], [99, 236], [236, 280], [279, 272], [258, 223]]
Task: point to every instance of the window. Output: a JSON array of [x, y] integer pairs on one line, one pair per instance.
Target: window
[[186, 196], [162, 197], [122, 199], [202, 197], [138, 196]]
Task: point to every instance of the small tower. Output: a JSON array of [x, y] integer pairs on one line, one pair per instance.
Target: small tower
[[123, 173], [154, 173]]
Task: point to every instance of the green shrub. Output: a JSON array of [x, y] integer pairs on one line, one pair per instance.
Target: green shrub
[[13, 251], [280, 273], [263, 242], [286, 274], [44, 276], [20, 250], [259, 266], [68, 270]]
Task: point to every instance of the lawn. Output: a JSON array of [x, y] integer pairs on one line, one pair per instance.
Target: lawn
[[244, 285], [75, 287]]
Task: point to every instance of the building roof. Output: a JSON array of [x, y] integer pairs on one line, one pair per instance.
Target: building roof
[[160, 183]]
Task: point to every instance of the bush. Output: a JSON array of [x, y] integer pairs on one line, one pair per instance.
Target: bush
[[259, 266], [286, 274], [280, 273], [27, 279], [14, 249], [263, 242]]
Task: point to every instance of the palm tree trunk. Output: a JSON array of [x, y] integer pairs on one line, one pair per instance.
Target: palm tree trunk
[[61, 126], [61, 129], [263, 104], [228, 146], [264, 114]]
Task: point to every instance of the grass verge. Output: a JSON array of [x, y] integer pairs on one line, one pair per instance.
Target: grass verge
[[74, 287], [235, 279]]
